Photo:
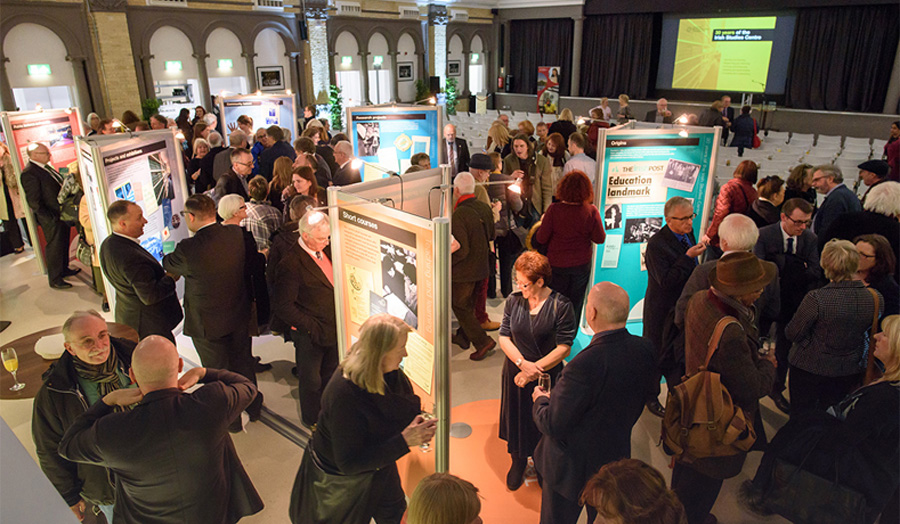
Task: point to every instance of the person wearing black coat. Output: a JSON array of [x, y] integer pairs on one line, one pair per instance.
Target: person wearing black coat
[[587, 418], [744, 129], [218, 267], [454, 151], [145, 295], [276, 148], [851, 225], [187, 469], [61, 399]]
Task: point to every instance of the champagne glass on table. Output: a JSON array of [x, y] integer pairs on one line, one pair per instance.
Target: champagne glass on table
[[11, 363], [425, 446]]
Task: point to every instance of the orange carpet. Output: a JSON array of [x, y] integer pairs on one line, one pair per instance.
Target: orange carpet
[[481, 458]]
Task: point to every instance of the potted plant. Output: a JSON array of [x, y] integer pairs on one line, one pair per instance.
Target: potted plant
[[336, 107]]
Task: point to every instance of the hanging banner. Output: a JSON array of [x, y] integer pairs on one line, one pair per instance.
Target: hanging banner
[[548, 89], [265, 110], [386, 137], [639, 171]]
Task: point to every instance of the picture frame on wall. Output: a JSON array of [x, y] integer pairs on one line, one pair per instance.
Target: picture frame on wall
[[270, 78], [453, 67], [405, 71]]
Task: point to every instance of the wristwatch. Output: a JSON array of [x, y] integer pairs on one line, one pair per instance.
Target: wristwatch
[[519, 362]]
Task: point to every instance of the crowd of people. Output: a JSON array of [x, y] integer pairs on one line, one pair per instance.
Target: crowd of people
[[815, 285]]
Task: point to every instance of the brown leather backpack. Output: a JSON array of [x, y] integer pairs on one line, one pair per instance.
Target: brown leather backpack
[[701, 420]]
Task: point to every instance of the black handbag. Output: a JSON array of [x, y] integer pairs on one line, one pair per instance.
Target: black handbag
[[320, 496], [806, 498]]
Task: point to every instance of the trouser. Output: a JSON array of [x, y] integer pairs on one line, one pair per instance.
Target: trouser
[[11, 226], [56, 254], [571, 283], [810, 392], [782, 349], [481, 289], [508, 249], [492, 279], [557, 509], [388, 492], [315, 365], [231, 352], [463, 304], [696, 491]]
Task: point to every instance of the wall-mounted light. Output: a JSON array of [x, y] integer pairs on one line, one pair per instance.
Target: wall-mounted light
[[38, 69], [377, 60], [474, 58], [346, 61], [226, 63], [173, 65]]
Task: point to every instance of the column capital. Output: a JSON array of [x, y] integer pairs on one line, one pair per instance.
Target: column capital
[[108, 5], [71, 58], [200, 56], [578, 18], [248, 55]]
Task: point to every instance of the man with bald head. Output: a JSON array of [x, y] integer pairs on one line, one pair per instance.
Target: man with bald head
[[186, 469], [93, 365], [587, 419], [42, 183], [454, 151]]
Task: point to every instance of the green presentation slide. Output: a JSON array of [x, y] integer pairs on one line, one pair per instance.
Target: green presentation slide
[[723, 54]]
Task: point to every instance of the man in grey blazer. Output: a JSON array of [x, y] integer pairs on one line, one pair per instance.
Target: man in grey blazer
[[839, 199], [794, 250]]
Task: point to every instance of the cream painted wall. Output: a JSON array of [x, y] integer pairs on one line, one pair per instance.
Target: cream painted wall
[[406, 52], [269, 49], [169, 43], [35, 44]]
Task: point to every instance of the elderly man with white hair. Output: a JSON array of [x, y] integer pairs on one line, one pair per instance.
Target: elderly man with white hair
[[660, 115], [473, 228], [303, 298], [455, 150], [347, 173]]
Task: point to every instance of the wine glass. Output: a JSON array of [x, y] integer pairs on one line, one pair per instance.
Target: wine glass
[[544, 382], [425, 446], [11, 363]]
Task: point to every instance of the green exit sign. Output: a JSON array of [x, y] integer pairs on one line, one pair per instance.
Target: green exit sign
[[38, 69], [173, 65], [226, 63]]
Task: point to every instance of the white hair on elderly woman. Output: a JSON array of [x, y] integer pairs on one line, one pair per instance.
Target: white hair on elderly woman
[[884, 199], [229, 205]]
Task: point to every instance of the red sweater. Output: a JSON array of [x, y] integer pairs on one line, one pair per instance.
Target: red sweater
[[568, 230]]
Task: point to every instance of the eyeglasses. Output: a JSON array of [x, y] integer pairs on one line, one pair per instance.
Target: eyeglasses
[[184, 213], [690, 217], [523, 285], [806, 223], [817, 178], [247, 164]]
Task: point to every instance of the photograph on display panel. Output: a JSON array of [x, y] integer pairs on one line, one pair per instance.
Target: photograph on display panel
[[398, 278], [681, 175], [639, 230]]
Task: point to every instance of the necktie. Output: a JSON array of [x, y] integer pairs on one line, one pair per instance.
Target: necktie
[[451, 155], [686, 242], [790, 248], [56, 175], [319, 255]]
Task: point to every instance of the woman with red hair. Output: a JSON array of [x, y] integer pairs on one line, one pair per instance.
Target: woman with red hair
[[568, 229], [736, 196]]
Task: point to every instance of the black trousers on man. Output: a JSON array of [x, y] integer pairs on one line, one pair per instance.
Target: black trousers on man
[[557, 509], [56, 254], [315, 365], [463, 304], [232, 352]]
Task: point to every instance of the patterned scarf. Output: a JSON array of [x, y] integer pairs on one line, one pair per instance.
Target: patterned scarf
[[104, 375]]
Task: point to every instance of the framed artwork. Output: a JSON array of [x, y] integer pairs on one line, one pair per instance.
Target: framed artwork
[[405, 71], [270, 78], [453, 67]]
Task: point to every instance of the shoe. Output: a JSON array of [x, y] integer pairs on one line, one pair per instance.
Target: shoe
[[19, 250], [516, 475], [69, 272], [294, 371], [656, 408], [490, 326], [259, 367], [459, 338], [60, 284], [480, 353], [781, 403], [752, 499]]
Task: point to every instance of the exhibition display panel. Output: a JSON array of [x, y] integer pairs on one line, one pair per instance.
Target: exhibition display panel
[[386, 137], [265, 110], [57, 129]]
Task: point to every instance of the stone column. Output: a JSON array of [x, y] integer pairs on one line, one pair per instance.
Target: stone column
[[332, 70], [147, 72], [395, 84], [463, 84], [576, 56], [115, 60], [251, 70], [205, 99], [81, 85], [489, 76], [6, 92], [364, 71], [294, 85]]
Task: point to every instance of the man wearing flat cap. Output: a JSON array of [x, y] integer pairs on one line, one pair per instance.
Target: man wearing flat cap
[[736, 283], [872, 173]]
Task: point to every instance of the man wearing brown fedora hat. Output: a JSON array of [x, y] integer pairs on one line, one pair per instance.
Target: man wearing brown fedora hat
[[736, 282]]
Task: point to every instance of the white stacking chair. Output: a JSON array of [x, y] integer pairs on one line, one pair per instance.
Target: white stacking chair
[[775, 137], [828, 141], [857, 143], [878, 147]]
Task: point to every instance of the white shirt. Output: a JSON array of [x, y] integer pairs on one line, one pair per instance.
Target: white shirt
[[581, 162], [307, 249]]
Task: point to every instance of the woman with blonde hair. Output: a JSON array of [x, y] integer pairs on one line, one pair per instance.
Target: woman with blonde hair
[[564, 125], [625, 113], [370, 417], [201, 182], [498, 139], [442, 498], [629, 491], [830, 333]]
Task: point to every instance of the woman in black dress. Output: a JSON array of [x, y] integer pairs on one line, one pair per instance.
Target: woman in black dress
[[370, 418], [877, 262], [536, 335]]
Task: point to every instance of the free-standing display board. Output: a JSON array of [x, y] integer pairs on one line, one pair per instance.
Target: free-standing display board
[[386, 137], [57, 129], [265, 110], [144, 168], [639, 171], [396, 262]]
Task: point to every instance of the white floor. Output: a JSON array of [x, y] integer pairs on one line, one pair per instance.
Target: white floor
[[271, 459]]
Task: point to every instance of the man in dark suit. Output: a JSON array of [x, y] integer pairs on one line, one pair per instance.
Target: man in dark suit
[[207, 163], [346, 173], [670, 259], [222, 162], [41, 184], [455, 151], [276, 148], [187, 469], [145, 294], [792, 247], [215, 264], [587, 419], [839, 199], [304, 310], [660, 115], [727, 118], [234, 181]]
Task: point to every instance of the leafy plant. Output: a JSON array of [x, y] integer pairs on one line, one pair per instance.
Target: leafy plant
[[336, 107], [150, 106], [422, 91], [450, 91]]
